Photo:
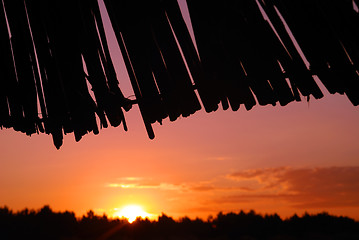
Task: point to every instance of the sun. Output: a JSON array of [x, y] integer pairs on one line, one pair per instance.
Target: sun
[[131, 212]]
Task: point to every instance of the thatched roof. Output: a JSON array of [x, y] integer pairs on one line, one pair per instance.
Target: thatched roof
[[246, 56]]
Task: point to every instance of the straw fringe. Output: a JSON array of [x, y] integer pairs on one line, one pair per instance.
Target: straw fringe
[[245, 55]]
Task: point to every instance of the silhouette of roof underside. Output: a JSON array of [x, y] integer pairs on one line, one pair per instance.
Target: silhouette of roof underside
[[246, 56]]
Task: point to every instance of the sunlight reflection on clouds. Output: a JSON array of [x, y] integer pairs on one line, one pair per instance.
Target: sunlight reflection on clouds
[[299, 188]]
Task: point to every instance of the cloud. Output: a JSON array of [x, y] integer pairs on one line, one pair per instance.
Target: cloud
[[301, 188], [334, 186], [142, 183], [246, 198], [134, 179], [262, 176], [202, 188], [185, 187], [163, 186]]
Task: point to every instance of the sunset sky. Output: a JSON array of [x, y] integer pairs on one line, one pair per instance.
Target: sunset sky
[[302, 157]]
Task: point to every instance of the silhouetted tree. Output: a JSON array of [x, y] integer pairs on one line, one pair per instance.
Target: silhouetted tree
[[47, 224]]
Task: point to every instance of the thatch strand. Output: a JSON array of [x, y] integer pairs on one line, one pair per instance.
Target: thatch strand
[[57, 75]]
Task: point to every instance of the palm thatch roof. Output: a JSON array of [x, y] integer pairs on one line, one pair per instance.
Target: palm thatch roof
[[247, 54]]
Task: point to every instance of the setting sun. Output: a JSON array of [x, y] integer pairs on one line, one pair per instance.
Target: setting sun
[[131, 212]]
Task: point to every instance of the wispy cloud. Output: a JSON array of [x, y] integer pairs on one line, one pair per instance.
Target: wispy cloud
[[302, 188], [322, 187], [134, 179], [203, 186], [163, 186]]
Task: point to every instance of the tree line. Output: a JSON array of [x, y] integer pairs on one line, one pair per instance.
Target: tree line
[[47, 224]]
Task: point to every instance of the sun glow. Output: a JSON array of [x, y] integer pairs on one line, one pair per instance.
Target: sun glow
[[131, 212]]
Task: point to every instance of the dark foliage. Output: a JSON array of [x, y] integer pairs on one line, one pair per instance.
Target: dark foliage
[[46, 224]]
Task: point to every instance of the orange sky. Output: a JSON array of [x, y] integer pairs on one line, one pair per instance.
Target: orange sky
[[302, 157]]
